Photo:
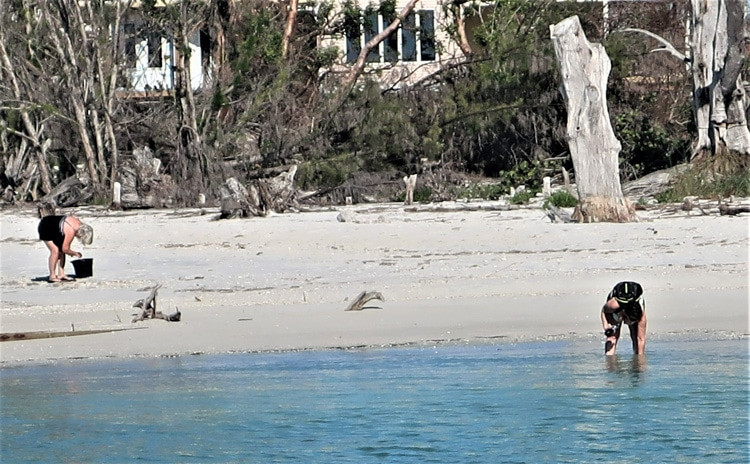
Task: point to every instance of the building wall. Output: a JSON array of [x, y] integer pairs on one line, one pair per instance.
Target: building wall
[[149, 59], [396, 63]]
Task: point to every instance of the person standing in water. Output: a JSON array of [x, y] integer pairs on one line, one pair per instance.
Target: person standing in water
[[625, 305], [58, 232]]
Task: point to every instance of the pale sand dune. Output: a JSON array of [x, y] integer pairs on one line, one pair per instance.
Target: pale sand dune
[[283, 282]]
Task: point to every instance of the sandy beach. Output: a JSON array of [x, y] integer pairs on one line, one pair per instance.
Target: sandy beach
[[447, 275]]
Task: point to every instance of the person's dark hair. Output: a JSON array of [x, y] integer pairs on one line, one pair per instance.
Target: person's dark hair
[[626, 292]]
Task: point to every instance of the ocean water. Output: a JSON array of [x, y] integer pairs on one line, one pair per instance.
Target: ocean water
[[551, 402]]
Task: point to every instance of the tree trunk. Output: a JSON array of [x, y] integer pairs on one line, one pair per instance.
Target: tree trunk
[[191, 163], [460, 22], [359, 65], [33, 133], [289, 28], [718, 54], [593, 146], [76, 83]]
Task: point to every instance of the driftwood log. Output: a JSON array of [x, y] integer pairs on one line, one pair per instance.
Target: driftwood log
[[148, 308], [733, 210], [73, 191], [259, 197], [359, 303]]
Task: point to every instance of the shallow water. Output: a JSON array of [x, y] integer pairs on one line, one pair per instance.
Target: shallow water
[[529, 403]]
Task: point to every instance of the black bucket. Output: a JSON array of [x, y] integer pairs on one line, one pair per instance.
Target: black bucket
[[84, 267]]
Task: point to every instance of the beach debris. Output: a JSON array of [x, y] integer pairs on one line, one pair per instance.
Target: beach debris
[[35, 335], [142, 184], [148, 308], [558, 215], [359, 303], [729, 209], [411, 184], [259, 197]]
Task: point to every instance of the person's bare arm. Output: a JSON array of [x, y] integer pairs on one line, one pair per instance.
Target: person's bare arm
[[70, 234]]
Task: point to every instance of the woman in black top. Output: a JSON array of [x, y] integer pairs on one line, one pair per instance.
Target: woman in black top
[[57, 232], [625, 304]]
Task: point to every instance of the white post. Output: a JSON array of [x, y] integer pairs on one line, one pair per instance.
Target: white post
[[547, 186], [116, 194]]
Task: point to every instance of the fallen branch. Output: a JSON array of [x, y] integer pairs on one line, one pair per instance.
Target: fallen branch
[[148, 309], [17, 336], [359, 302], [733, 210]]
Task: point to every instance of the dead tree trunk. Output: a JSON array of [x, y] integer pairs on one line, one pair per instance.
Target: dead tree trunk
[[718, 50], [593, 146], [289, 27], [33, 132], [191, 163]]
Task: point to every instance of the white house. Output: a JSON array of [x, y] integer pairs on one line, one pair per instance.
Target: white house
[[148, 57]]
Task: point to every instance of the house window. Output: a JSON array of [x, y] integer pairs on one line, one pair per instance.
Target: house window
[[133, 36], [129, 45], [154, 50], [414, 40]]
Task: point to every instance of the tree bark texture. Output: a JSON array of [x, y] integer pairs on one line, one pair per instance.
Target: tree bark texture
[[585, 67], [291, 20], [191, 161], [719, 50]]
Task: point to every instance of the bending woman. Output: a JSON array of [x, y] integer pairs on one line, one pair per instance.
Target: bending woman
[[625, 305], [57, 232]]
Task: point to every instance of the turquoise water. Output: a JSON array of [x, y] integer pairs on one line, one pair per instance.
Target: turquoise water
[[551, 402]]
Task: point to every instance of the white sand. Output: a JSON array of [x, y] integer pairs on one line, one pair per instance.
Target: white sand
[[283, 282]]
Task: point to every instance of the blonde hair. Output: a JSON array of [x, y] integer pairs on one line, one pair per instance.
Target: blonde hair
[[85, 234]]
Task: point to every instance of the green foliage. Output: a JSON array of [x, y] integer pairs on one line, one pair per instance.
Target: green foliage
[[561, 199], [480, 191], [528, 173], [326, 173], [522, 197], [646, 145], [422, 194], [706, 185]]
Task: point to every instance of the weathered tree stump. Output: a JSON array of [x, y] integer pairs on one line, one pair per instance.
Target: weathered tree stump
[[585, 67], [148, 309], [259, 197], [141, 183], [359, 303]]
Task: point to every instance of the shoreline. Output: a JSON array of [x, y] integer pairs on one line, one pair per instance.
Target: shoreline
[[281, 283]]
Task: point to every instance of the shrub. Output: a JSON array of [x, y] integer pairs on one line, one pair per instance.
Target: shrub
[[561, 199], [481, 191], [522, 197]]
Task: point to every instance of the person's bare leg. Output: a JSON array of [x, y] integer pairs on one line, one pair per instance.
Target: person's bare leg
[[54, 255], [638, 335], [61, 270]]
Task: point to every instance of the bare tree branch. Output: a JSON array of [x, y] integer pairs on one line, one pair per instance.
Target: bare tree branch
[[667, 47]]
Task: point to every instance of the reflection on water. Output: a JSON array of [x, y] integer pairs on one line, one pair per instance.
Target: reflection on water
[[631, 367], [537, 402]]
